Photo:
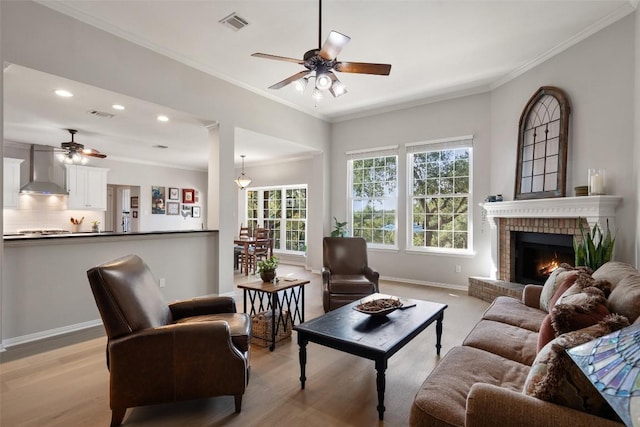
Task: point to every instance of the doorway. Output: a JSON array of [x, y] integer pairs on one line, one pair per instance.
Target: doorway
[[118, 217]]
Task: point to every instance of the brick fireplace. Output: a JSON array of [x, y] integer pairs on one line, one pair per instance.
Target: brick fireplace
[[555, 216]]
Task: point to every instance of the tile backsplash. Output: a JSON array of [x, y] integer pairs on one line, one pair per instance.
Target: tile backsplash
[[40, 212]]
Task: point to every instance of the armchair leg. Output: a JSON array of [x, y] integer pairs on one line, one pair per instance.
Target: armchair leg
[[117, 415], [238, 401]]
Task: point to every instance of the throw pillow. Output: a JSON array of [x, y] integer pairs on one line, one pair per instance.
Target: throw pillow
[[546, 333], [568, 282], [554, 280], [555, 378]]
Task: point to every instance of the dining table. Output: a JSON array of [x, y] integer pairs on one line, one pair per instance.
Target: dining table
[[246, 242]]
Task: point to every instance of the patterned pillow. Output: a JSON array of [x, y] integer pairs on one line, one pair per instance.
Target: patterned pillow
[[555, 378], [555, 279]]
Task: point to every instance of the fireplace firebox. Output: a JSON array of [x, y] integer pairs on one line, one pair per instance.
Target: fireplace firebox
[[536, 255]]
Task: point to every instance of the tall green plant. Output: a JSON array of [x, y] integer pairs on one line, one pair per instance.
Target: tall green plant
[[595, 248]]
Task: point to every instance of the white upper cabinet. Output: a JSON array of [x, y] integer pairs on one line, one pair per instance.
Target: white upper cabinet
[[11, 187], [87, 187]]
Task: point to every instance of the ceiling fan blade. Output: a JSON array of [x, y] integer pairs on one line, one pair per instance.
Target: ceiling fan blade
[[333, 45], [363, 68], [278, 58], [93, 153], [291, 79]]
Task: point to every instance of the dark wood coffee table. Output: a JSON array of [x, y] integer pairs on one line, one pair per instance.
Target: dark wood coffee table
[[375, 338]]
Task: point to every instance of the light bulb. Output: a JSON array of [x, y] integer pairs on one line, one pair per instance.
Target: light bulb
[[301, 84], [76, 157], [338, 88], [84, 160], [61, 157], [317, 94], [323, 81]]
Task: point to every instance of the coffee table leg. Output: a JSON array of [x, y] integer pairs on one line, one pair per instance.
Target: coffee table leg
[[273, 320], [302, 343], [439, 332], [381, 367]]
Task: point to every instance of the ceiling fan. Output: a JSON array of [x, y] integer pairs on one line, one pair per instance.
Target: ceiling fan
[[73, 152], [323, 61]]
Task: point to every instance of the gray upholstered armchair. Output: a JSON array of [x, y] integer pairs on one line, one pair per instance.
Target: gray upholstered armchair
[[346, 275], [163, 353]]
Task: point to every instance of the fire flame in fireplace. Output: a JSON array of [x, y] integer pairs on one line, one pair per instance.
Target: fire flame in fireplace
[[546, 267]]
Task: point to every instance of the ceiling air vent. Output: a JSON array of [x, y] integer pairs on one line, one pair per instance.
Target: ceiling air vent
[[234, 22], [102, 114]]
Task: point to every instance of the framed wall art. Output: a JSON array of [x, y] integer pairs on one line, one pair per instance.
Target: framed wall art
[[134, 202], [174, 193], [173, 208], [188, 195], [135, 214], [195, 211], [157, 200], [543, 139]]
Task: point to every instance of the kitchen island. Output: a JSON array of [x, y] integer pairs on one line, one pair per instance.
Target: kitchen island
[[45, 291]]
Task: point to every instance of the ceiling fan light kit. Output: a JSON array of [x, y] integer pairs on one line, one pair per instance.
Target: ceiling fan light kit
[[75, 153], [323, 61]]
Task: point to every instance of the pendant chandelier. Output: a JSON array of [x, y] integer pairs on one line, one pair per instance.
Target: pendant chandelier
[[243, 180]]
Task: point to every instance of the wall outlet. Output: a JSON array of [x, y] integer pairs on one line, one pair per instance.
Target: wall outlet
[[458, 268], [162, 282]]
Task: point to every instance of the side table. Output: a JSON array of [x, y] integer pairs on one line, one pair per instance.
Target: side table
[[286, 293]]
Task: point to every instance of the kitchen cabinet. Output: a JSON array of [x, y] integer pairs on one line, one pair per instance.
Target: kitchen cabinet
[[11, 187], [87, 187]]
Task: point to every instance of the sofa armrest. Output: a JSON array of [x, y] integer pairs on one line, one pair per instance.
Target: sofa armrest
[[490, 405], [531, 296], [201, 306], [372, 275]]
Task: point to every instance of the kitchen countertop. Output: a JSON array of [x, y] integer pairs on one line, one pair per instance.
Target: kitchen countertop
[[32, 237]]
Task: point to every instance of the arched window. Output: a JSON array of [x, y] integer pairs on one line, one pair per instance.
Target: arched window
[[542, 145]]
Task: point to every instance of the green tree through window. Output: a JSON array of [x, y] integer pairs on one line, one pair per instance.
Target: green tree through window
[[440, 188], [374, 183]]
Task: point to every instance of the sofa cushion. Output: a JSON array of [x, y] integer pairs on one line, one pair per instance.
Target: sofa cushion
[[614, 272], [555, 378], [555, 279], [625, 297], [513, 312], [441, 400], [508, 341], [350, 284]]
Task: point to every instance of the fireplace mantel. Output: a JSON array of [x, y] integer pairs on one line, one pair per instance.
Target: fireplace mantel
[[596, 209], [599, 210]]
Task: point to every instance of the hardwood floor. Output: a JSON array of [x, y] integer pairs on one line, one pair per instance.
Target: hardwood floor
[[64, 381]]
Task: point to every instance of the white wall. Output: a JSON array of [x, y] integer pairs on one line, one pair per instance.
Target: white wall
[[46, 288], [145, 176], [598, 76], [456, 117]]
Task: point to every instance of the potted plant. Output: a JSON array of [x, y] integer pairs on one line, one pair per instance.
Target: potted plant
[[95, 226], [267, 268], [595, 248], [339, 229]]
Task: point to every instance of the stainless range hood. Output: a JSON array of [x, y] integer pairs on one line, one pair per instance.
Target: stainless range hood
[[40, 165]]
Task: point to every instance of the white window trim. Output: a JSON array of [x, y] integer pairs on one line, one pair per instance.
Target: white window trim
[[433, 145], [387, 151]]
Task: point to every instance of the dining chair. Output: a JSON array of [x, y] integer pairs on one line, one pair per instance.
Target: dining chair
[[238, 250]]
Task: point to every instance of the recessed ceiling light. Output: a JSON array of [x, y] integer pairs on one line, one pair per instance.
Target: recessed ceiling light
[[163, 147], [163, 118], [63, 93], [117, 107]]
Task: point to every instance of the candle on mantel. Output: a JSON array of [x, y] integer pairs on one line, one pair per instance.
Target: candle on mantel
[[596, 181]]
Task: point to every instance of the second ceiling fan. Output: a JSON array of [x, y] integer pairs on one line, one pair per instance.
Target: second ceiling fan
[[323, 61]]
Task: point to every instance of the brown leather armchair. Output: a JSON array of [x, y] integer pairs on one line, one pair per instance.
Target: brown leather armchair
[[164, 353], [346, 275]]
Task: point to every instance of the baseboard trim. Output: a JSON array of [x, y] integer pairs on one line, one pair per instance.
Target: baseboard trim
[[24, 339], [426, 283]]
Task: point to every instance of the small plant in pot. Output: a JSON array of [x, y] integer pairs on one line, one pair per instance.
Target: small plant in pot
[[339, 229], [595, 248], [267, 268]]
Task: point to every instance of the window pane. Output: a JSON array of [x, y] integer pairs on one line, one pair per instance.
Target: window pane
[[440, 199]]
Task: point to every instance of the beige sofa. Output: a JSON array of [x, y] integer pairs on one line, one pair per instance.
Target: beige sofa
[[480, 383]]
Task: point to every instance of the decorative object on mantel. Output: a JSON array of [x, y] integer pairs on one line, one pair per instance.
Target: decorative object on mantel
[[597, 182], [612, 365], [243, 180], [543, 134], [582, 190], [595, 248]]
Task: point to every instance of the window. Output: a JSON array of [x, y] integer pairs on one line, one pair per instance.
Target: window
[[278, 209], [440, 190], [374, 198]]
